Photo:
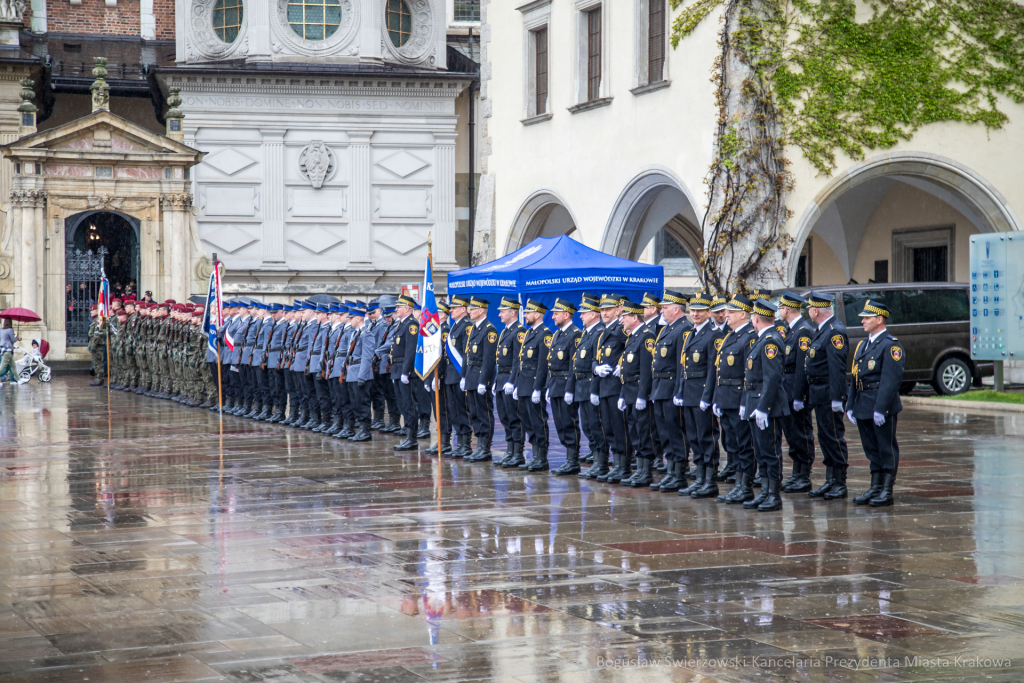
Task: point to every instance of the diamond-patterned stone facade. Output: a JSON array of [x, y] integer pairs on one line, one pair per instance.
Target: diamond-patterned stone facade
[[402, 240], [228, 161], [402, 164], [228, 238], [316, 239]]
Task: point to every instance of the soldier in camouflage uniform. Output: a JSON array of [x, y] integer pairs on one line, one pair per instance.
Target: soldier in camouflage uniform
[[97, 348]]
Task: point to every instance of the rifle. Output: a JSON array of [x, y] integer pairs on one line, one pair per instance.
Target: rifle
[[334, 354]]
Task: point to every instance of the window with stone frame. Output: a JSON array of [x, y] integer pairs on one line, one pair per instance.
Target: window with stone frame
[[593, 54], [227, 19], [540, 70], [671, 255]]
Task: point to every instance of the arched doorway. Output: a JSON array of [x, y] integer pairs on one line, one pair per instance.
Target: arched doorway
[[118, 234], [904, 217], [654, 219], [543, 214]]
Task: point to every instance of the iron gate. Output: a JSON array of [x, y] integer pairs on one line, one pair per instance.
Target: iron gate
[[84, 272]]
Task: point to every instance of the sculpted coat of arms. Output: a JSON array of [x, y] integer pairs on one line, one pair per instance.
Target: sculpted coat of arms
[[316, 162]]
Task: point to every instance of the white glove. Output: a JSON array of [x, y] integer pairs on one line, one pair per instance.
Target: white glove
[[703, 406], [508, 388], [494, 389], [603, 370], [879, 419], [641, 403], [536, 396], [462, 384], [676, 401], [481, 389], [798, 405], [435, 384], [837, 406], [515, 393], [568, 398], [426, 385], [850, 417], [743, 412], [617, 371], [405, 379], [547, 396], [595, 400], [761, 418], [716, 410], [621, 404]]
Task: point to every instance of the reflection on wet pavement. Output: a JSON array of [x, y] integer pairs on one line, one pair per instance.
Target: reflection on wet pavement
[[144, 542]]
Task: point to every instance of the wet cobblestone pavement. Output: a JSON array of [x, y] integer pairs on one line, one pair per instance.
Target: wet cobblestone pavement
[[139, 543]]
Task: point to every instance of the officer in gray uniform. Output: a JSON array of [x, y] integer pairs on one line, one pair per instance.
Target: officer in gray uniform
[[291, 344], [258, 361], [336, 322], [275, 379], [307, 333], [250, 391], [384, 334], [359, 373], [340, 341]]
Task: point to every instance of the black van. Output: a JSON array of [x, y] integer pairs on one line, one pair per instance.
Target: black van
[[931, 319]]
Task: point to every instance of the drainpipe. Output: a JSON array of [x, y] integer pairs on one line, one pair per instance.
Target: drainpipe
[[472, 157]]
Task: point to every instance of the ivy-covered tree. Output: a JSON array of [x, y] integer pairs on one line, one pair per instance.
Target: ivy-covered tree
[[812, 74]]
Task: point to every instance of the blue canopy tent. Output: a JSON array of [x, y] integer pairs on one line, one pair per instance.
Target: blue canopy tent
[[560, 267]]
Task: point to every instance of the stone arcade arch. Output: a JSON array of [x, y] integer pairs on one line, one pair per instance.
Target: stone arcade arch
[[846, 210], [543, 214]]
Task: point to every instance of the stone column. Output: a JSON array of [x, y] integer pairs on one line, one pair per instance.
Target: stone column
[[14, 225], [444, 201], [360, 256], [273, 199], [175, 252], [25, 200], [39, 238]]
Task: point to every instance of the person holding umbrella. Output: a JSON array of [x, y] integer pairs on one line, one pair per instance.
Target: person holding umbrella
[[7, 341]]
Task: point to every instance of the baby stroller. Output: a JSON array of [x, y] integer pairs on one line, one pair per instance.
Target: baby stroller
[[31, 362]]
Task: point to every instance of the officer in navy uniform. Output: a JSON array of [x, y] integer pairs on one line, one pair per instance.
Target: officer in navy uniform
[[529, 379], [668, 417], [728, 397], [424, 402], [765, 403], [455, 397], [654, 322], [695, 387], [431, 384], [375, 325], [582, 386], [384, 344], [824, 390], [560, 367], [719, 304], [608, 387], [797, 426], [874, 404], [403, 369], [477, 377], [359, 370], [509, 342], [635, 365]]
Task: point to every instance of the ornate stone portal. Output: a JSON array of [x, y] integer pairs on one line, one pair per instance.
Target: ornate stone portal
[[99, 163]]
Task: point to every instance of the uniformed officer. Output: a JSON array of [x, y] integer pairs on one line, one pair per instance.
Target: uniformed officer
[[874, 404], [694, 393], [654, 322], [529, 379], [304, 345], [728, 398], [797, 426], [403, 358], [359, 373], [259, 360], [608, 387], [668, 417], [635, 374], [719, 312], [384, 343], [583, 385], [560, 367], [276, 395], [251, 330], [455, 351], [97, 347], [431, 383], [824, 390], [337, 320], [341, 396], [509, 342], [376, 326], [765, 403], [478, 374], [292, 335]]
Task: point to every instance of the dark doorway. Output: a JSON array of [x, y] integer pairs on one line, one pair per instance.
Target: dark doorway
[[118, 234], [930, 264]]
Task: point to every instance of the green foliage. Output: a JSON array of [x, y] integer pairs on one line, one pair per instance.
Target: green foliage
[[843, 85]]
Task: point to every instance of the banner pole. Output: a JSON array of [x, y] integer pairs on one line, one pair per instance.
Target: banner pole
[[220, 389], [108, 354]]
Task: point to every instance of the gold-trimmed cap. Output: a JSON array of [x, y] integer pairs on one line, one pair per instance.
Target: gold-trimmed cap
[[821, 300], [477, 302], [458, 300], [443, 307], [791, 300], [766, 308], [651, 300], [536, 306], [701, 301], [765, 294], [564, 306], [720, 302], [672, 297], [630, 308], [741, 303], [589, 303], [509, 304], [610, 300], [873, 308], [406, 300]]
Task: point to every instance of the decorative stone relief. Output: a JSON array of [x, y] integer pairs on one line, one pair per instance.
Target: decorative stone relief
[[282, 32], [227, 238], [316, 163], [402, 240], [228, 161], [316, 239], [201, 37], [12, 10], [402, 164], [423, 39]]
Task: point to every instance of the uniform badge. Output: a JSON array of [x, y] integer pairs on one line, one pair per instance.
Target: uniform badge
[[750, 364], [547, 341], [629, 358], [398, 340], [664, 351], [504, 350], [492, 337], [811, 353], [608, 350], [521, 336], [444, 336], [771, 350], [650, 345], [560, 355], [788, 349], [730, 359], [837, 341], [529, 353], [718, 344], [578, 340], [804, 343], [583, 353], [781, 330], [696, 356], [474, 348], [871, 364], [896, 352], [413, 329]]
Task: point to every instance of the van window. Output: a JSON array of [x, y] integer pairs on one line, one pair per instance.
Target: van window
[[934, 305], [853, 302]]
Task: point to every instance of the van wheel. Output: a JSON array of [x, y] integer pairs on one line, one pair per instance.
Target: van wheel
[[952, 377], [907, 387]]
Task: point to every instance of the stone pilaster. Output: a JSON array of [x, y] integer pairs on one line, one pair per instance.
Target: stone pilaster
[[273, 191], [360, 229], [444, 201]]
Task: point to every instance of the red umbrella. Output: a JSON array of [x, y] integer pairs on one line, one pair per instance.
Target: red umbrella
[[22, 315]]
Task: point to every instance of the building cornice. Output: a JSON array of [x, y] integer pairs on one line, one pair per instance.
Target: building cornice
[[376, 87]]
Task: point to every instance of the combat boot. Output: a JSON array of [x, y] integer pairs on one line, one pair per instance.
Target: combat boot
[[570, 466], [362, 435], [697, 485], [730, 496], [423, 432], [408, 444], [377, 424], [598, 468], [485, 452], [824, 488], [313, 420], [672, 482], [325, 424], [540, 461], [884, 498], [793, 477], [335, 426], [346, 429], [730, 468], [756, 502], [773, 501], [510, 453], [872, 492], [463, 450], [517, 456], [710, 487], [743, 491], [264, 413], [644, 475], [614, 475], [446, 445], [838, 489], [254, 411]]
